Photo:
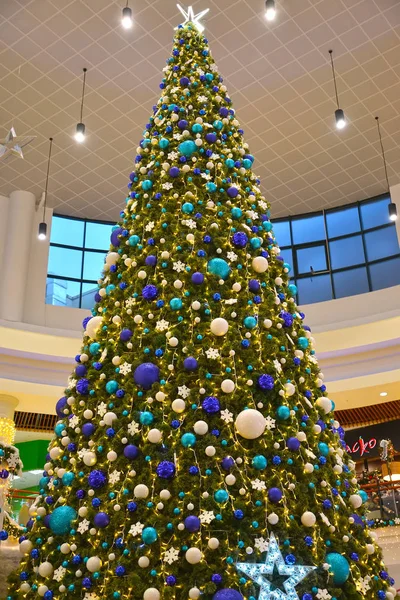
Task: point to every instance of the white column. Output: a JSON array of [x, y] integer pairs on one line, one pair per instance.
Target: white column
[[395, 196], [4, 202], [16, 255]]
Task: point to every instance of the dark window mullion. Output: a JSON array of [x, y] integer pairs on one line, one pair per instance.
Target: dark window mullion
[[83, 264], [365, 249]]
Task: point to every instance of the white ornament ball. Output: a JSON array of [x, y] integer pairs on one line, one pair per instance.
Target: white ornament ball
[[141, 491], [317, 429], [370, 548], [88, 414], [250, 424], [308, 519], [230, 479], [213, 543], [193, 556], [355, 500], [173, 342], [151, 594], [200, 427], [42, 589], [219, 326], [46, 569], [301, 436], [273, 518], [194, 593], [93, 564], [338, 470], [109, 417], [228, 386], [178, 405], [25, 587], [55, 452], [236, 287], [259, 264], [325, 404], [143, 562], [308, 468], [196, 305], [90, 459], [112, 258], [345, 538], [154, 436], [160, 396], [289, 389], [93, 326], [165, 494], [65, 548], [112, 456], [210, 451], [267, 323], [25, 547]]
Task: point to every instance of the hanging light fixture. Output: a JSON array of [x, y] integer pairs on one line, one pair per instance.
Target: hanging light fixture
[[80, 127], [270, 10], [392, 206], [339, 114], [42, 233], [127, 20]]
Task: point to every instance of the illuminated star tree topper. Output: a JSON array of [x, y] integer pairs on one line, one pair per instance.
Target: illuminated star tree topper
[[190, 17]]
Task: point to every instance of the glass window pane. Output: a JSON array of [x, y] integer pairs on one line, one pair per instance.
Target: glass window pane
[[385, 274], [60, 292], [375, 213], [381, 243], [342, 222], [88, 292], [67, 231], [287, 256], [93, 265], [282, 233], [347, 252], [313, 258], [351, 282], [314, 289], [65, 262], [98, 236], [308, 229]]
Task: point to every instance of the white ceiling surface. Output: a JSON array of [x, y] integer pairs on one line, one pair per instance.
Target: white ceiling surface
[[278, 75]]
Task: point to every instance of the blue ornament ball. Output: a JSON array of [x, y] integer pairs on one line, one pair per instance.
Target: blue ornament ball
[[303, 343], [197, 278], [166, 470], [188, 440], [266, 382], [147, 184], [190, 364], [131, 452], [68, 478], [227, 594], [219, 267], [60, 519], [227, 463], [149, 535], [240, 239], [149, 292], [232, 192], [293, 444], [192, 523], [114, 236], [97, 479], [275, 495], [3, 535], [211, 405], [88, 429], [59, 428], [339, 566], [101, 520], [174, 172], [146, 374]]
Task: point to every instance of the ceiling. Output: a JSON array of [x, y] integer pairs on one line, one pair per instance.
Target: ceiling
[[278, 75]]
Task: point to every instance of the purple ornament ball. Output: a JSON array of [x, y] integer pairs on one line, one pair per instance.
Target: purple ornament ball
[[293, 444], [254, 285], [101, 519], [88, 429], [114, 237], [46, 521], [82, 387], [151, 260], [97, 479], [80, 370], [232, 192], [211, 138], [275, 495], [227, 594], [125, 335], [190, 364], [184, 81], [166, 470], [223, 111], [227, 463], [240, 239], [174, 172], [97, 297], [211, 405], [182, 124], [197, 278], [146, 374], [131, 452], [265, 382], [192, 523], [149, 292], [61, 404], [85, 321]]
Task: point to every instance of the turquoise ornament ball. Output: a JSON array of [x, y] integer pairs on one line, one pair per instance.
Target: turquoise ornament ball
[[236, 212], [58, 429], [267, 225], [230, 163], [218, 125], [197, 128], [283, 412], [287, 266], [323, 448], [149, 535], [188, 440], [146, 417], [163, 143], [111, 386], [250, 322], [255, 243], [175, 303], [303, 343], [211, 187], [60, 519], [134, 240], [187, 148], [247, 163], [259, 462], [187, 208], [219, 267], [339, 566], [221, 496], [292, 289], [147, 184], [68, 478], [363, 494], [94, 348]]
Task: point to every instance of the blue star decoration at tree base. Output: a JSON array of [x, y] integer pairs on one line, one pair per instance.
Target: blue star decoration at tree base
[[276, 579]]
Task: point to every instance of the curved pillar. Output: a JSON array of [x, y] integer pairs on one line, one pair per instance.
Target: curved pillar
[[4, 202], [21, 212], [8, 405]]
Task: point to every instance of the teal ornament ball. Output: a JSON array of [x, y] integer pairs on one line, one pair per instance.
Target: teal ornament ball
[[247, 163], [197, 128], [211, 187], [146, 417], [303, 343], [230, 163], [163, 143], [221, 496], [68, 478], [292, 289], [149, 535], [236, 212], [259, 462], [147, 184], [188, 440], [59, 428], [323, 448], [134, 240], [187, 148], [339, 567], [175, 303], [187, 208], [267, 225], [364, 495], [250, 322], [219, 267], [218, 125], [110, 288], [111, 386], [255, 243], [94, 348], [283, 412], [60, 519], [287, 266]]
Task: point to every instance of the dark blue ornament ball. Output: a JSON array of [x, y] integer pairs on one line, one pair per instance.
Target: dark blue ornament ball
[[190, 364], [227, 594], [131, 452], [211, 405], [61, 404], [149, 292], [166, 470], [97, 479], [146, 374], [192, 523], [101, 519], [240, 239], [265, 382], [275, 495], [114, 237]]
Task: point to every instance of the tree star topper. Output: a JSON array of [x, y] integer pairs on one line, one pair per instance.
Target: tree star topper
[[13, 145], [190, 17], [276, 579]]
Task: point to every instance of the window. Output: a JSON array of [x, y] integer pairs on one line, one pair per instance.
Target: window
[[346, 252], [381, 243], [343, 221], [385, 273], [350, 282], [374, 213], [308, 229], [312, 259], [282, 233], [314, 289]]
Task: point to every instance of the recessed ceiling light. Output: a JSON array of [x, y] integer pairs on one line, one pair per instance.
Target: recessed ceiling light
[[383, 394]]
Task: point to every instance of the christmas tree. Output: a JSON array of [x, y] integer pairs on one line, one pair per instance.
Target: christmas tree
[[197, 455]]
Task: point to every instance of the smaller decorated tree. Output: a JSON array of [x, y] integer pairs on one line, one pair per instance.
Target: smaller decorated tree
[[10, 465]]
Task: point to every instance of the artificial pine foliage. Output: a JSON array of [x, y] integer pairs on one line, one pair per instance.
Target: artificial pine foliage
[[197, 455]]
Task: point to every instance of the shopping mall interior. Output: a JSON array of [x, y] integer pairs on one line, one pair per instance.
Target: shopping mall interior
[[271, 179]]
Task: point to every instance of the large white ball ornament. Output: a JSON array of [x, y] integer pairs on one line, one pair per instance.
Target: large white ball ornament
[[173, 342], [112, 258], [273, 518], [267, 323], [289, 389], [370, 548], [200, 427], [93, 564], [42, 589], [25, 547], [193, 556], [151, 594], [165, 494], [317, 429], [210, 451], [154, 436], [219, 326], [325, 404], [259, 264], [213, 543], [301, 436], [65, 548], [93, 326], [194, 593], [143, 562], [46, 569], [355, 500], [141, 491], [25, 587], [109, 417], [112, 456], [230, 479], [55, 452], [308, 519], [228, 386], [90, 459], [308, 468], [250, 424], [338, 469], [178, 405]]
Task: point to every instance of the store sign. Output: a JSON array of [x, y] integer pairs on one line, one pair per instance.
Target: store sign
[[364, 442]]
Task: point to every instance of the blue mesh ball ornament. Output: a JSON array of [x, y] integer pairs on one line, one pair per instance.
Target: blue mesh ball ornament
[[166, 470], [149, 292], [240, 239], [227, 594], [266, 382], [97, 479], [211, 405]]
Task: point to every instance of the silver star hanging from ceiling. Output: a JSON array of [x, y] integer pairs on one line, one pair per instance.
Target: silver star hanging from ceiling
[[276, 579], [13, 145], [190, 17]]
